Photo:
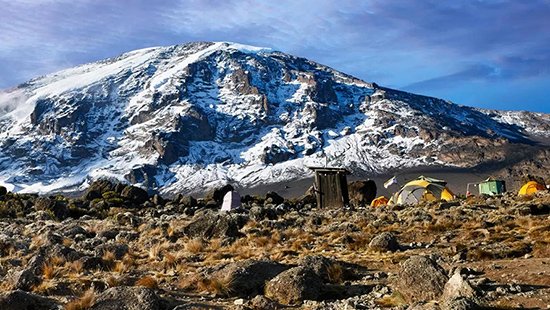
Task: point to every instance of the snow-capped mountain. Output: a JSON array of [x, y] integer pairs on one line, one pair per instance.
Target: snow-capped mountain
[[187, 117]]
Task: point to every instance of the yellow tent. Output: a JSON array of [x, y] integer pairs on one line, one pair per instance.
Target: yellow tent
[[530, 188], [380, 201], [422, 189]]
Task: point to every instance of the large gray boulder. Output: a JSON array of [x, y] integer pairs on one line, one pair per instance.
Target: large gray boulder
[[421, 279], [329, 270], [457, 287], [295, 285], [212, 224], [127, 298]]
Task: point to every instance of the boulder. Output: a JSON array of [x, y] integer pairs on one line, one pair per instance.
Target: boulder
[[384, 242], [23, 280], [211, 224], [261, 302], [318, 264], [258, 213], [456, 287], [217, 194], [273, 198], [135, 194], [248, 277], [97, 188], [20, 300], [294, 286], [362, 193], [421, 279], [127, 298]]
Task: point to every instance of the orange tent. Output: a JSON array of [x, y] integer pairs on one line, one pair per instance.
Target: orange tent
[[380, 201], [530, 188]]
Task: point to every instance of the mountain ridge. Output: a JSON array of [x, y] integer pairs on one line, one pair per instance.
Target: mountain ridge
[[187, 117]]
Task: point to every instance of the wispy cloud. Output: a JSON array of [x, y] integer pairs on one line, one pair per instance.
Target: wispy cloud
[[425, 45]]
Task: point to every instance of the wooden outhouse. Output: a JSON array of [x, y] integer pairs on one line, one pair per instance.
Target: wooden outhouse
[[331, 187]]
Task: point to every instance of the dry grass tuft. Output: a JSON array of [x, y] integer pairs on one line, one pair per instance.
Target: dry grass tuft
[[85, 302], [112, 281], [57, 260], [195, 246], [44, 287], [75, 266], [154, 252], [147, 281], [50, 271], [393, 300], [37, 242], [108, 257], [541, 249], [221, 287]]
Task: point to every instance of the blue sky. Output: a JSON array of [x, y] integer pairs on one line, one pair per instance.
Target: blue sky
[[485, 53]]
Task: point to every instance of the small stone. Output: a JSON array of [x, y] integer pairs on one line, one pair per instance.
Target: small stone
[[384, 242], [238, 302], [500, 290]]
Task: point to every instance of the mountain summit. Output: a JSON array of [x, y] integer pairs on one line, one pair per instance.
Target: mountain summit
[[186, 117]]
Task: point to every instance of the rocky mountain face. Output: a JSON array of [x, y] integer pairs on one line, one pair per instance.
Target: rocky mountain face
[[184, 118]]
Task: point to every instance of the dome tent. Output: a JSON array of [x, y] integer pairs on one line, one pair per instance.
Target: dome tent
[[530, 188], [422, 189], [380, 201]]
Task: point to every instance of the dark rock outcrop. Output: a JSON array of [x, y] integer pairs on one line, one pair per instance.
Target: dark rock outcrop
[[20, 300], [135, 194]]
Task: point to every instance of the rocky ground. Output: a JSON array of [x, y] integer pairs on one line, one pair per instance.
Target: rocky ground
[[118, 248]]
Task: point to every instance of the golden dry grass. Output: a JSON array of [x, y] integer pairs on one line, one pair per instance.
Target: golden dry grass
[[85, 302], [195, 246], [112, 281], [147, 281], [44, 287], [221, 287], [76, 266], [50, 271], [393, 300], [108, 257]]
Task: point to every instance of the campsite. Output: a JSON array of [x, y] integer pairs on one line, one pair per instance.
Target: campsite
[[425, 246]]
